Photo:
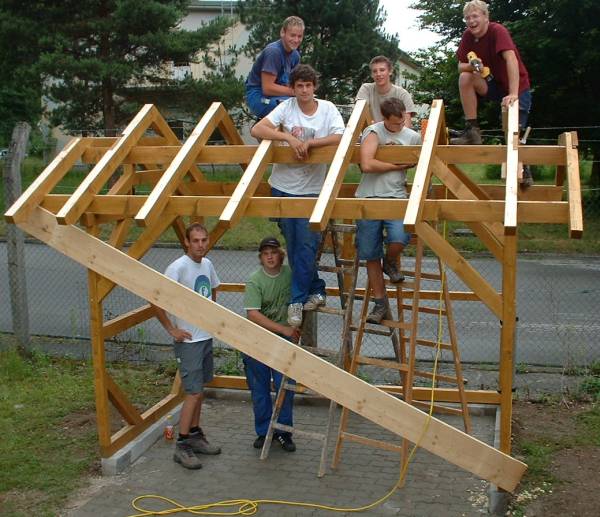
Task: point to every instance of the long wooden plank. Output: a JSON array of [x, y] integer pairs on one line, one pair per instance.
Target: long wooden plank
[[183, 161], [127, 320], [418, 192], [46, 181], [512, 170], [107, 165], [332, 382], [575, 207], [321, 214], [240, 199], [461, 267]]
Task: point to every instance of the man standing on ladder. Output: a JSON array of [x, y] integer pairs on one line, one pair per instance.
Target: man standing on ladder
[[265, 300], [383, 180]]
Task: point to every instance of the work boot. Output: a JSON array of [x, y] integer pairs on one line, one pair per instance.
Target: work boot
[[314, 300], [527, 179], [378, 313], [391, 270], [259, 442], [184, 455], [200, 444], [286, 442], [295, 314], [471, 135]]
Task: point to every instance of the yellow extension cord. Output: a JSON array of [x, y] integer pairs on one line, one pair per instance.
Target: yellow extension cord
[[251, 507]]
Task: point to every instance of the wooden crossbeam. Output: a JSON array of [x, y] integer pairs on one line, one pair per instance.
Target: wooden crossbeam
[[418, 192], [126, 321], [240, 199], [512, 169], [183, 161], [46, 181], [121, 402], [467, 273], [569, 140], [107, 165], [321, 214], [351, 392]]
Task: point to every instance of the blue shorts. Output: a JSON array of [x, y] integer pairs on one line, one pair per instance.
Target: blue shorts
[[496, 93], [369, 236], [259, 104], [195, 362]]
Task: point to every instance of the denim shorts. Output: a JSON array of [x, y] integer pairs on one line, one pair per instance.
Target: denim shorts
[[496, 93], [195, 362], [369, 236]]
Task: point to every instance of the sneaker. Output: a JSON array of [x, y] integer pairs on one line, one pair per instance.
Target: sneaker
[[391, 270], [527, 180], [184, 455], [377, 314], [295, 314], [200, 444], [314, 301], [471, 135], [286, 442], [259, 442]]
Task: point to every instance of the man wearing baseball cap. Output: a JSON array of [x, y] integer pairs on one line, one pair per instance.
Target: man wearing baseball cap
[[268, 292]]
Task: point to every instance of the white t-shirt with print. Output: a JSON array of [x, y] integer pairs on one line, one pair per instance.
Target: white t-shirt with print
[[326, 120], [200, 277], [368, 92]]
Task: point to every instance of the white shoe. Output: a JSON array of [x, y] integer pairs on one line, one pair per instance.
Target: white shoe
[[314, 301], [295, 314]]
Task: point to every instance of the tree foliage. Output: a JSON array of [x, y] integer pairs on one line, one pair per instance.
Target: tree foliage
[[340, 39]]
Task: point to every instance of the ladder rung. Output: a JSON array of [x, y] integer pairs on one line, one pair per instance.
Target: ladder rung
[[330, 310], [428, 276], [396, 324], [438, 377], [342, 228], [382, 363], [380, 444], [369, 330], [438, 408], [403, 285], [427, 310], [299, 432], [345, 262], [433, 344], [334, 269]]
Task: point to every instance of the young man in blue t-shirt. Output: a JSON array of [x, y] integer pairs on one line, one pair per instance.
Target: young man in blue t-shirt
[[268, 81]]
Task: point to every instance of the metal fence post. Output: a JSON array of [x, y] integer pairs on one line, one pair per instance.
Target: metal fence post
[[15, 239]]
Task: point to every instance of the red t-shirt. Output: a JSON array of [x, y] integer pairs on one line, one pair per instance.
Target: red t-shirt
[[489, 49]]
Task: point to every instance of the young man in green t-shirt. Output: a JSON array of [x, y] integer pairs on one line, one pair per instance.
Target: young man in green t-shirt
[[266, 299]]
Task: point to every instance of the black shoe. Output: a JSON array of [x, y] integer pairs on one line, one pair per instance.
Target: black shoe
[[259, 442], [527, 179], [286, 442], [391, 270]]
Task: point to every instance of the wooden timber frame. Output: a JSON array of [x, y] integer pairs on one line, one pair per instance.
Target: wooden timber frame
[[148, 153]]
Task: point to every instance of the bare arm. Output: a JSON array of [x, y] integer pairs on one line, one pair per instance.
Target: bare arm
[[271, 88], [259, 318], [176, 333], [370, 164], [512, 70]]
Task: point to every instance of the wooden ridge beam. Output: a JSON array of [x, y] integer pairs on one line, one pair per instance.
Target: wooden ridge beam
[[574, 192], [183, 161], [467, 273], [107, 165], [336, 384], [46, 181], [321, 213], [512, 170], [418, 192]]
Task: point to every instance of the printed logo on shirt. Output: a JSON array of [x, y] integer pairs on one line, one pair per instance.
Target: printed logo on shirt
[[303, 133], [202, 286]]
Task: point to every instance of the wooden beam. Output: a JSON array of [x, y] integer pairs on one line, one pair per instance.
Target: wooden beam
[[127, 320], [240, 199], [107, 165], [461, 267], [321, 214], [512, 170], [336, 384], [418, 192], [574, 192], [169, 181], [121, 402], [46, 181]]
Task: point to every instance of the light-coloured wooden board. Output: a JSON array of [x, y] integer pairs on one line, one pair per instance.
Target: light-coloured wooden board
[[127, 320], [512, 170], [334, 383], [121, 402], [575, 207], [321, 214]]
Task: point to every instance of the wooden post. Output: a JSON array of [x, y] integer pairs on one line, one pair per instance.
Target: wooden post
[[15, 239]]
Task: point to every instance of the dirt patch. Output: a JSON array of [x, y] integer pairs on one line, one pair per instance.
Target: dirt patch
[[570, 487]]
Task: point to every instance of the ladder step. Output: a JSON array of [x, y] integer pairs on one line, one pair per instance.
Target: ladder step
[[383, 363], [428, 276], [335, 269], [299, 432], [395, 324], [380, 444], [342, 228], [433, 344], [438, 408], [426, 310], [330, 310], [438, 377], [370, 330], [403, 285]]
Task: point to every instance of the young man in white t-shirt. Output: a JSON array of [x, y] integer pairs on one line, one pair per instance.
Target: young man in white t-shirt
[[193, 346], [382, 89], [383, 180], [305, 123]]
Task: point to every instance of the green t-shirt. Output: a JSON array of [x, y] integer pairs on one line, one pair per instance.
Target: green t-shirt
[[270, 294]]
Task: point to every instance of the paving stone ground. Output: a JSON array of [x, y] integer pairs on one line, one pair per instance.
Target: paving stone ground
[[433, 486]]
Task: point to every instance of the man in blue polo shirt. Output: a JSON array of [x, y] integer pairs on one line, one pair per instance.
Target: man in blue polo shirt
[[268, 81]]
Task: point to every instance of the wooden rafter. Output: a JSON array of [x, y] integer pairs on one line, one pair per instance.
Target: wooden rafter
[[512, 170], [574, 192]]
